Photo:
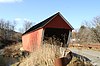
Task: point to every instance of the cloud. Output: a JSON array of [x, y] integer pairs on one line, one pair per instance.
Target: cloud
[[22, 19], [10, 1], [18, 19]]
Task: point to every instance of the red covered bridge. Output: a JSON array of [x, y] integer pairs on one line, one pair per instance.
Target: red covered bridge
[[55, 25]]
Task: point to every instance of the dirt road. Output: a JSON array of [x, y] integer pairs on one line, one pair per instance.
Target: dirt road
[[93, 55]]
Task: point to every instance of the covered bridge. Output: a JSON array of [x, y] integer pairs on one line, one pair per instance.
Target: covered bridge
[[55, 25]]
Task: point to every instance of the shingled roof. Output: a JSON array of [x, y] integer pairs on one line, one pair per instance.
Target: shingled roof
[[46, 21]]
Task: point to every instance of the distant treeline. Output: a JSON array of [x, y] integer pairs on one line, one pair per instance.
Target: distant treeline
[[89, 32]]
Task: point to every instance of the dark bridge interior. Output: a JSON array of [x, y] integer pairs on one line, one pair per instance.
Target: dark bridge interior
[[58, 36]]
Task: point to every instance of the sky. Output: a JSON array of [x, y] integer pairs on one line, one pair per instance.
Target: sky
[[75, 11]]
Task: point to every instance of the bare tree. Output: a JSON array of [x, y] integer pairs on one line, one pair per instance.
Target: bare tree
[[7, 29], [89, 32], [85, 35], [26, 25], [2, 23], [96, 29], [13, 25]]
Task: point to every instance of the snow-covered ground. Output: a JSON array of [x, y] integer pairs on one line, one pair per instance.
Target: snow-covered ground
[[93, 55]]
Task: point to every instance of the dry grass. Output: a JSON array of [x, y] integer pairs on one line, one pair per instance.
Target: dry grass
[[44, 56]]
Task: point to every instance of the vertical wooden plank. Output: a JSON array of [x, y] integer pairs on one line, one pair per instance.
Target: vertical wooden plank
[[32, 40]]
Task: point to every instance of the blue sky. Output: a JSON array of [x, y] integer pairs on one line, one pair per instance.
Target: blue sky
[[75, 11]]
